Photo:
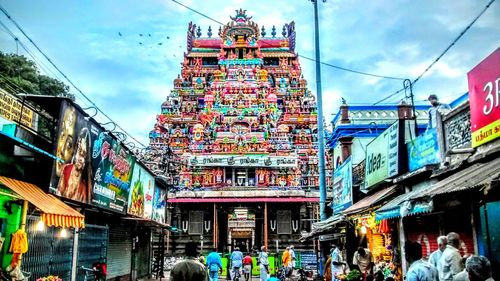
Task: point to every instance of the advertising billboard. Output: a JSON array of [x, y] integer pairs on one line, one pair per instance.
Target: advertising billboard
[[112, 173], [424, 150], [342, 187], [382, 157], [484, 99], [159, 205], [94, 167], [72, 174], [140, 201]]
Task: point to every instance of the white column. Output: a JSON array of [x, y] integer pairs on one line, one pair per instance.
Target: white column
[[75, 254], [402, 241]]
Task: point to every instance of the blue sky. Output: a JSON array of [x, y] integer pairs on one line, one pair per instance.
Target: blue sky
[[129, 80]]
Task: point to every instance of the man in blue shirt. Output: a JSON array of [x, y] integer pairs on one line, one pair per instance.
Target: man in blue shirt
[[236, 261], [420, 270], [214, 265]]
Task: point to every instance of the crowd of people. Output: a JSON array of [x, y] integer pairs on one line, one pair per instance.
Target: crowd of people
[[444, 264]]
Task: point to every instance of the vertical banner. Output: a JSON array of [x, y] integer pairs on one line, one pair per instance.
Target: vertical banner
[[72, 175], [112, 166], [140, 201], [159, 205], [484, 97], [342, 187]]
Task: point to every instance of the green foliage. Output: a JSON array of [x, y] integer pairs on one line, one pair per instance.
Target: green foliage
[[354, 275], [21, 75]]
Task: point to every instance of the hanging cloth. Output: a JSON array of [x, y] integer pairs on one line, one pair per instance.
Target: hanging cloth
[[19, 242]]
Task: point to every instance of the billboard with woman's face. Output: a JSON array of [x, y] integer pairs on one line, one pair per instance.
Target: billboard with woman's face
[[94, 168], [72, 174]]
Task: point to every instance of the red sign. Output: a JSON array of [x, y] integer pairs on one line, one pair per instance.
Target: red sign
[[484, 96]]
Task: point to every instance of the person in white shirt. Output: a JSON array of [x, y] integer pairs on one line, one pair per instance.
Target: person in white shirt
[[436, 255], [450, 261], [291, 265], [363, 259], [420, 270], [337, 265]]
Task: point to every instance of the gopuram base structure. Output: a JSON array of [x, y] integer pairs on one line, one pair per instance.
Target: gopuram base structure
[[236, 139]]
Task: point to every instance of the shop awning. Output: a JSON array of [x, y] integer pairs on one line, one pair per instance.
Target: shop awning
[[369, 201], [243, 200], [476, 176], [148, 222], [54, 211], [402, 206], [321, 227]]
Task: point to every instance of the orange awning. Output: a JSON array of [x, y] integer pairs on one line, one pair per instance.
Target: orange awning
[[55, 212]]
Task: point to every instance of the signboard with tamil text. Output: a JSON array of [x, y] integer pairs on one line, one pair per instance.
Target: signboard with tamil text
[[484, 96], [12, 109], [242, 161]]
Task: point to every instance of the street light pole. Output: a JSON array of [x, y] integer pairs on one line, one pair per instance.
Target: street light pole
[[321, 134]]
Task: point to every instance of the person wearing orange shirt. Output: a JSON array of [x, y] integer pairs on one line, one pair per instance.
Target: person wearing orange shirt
[[286, 260]]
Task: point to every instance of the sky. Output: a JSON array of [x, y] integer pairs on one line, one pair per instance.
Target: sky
[[98, 45]]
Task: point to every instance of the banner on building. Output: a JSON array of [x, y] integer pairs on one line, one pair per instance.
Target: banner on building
[[13, 110], [424, 150], [243, 161], [342, 187], [112, 172], [93, 168], [159, 205], [484, 98], [382, 156], [140, 201]]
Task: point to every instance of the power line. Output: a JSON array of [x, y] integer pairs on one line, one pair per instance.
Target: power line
[[301, 56], [443, 53], [64, 75]]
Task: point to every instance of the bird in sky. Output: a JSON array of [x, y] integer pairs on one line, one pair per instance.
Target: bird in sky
[[119, 33]]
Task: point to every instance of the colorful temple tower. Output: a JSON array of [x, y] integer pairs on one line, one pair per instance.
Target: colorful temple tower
[[239, 130]]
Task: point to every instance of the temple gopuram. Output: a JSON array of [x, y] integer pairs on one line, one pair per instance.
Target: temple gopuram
[[236, 139]]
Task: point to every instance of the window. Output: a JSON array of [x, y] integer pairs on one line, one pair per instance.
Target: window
[[284, 222], [195, 222]]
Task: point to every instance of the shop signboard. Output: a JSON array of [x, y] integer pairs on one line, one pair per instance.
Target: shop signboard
[[424, 150], [92, 167], [12, 109], [484, 97], [140, 201], [382, 156], [159, 205], [342, 187]]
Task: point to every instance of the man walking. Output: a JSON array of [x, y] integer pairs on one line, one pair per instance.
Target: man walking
[[436, 255], [263, 260], [247, 266], [189, 269], [291, 265], [285, 260], [236, 262], [337, 266], [214, 264], [419, 270], [449, 263]]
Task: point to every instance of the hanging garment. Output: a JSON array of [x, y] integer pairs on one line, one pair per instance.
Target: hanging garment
[[19, 242]]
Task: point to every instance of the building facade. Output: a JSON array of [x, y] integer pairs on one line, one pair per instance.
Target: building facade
[[238, 134]]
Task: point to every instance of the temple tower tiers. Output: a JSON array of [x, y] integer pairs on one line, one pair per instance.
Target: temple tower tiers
[[239, 133]]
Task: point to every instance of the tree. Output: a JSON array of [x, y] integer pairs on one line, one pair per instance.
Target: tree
[[20, 74]]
